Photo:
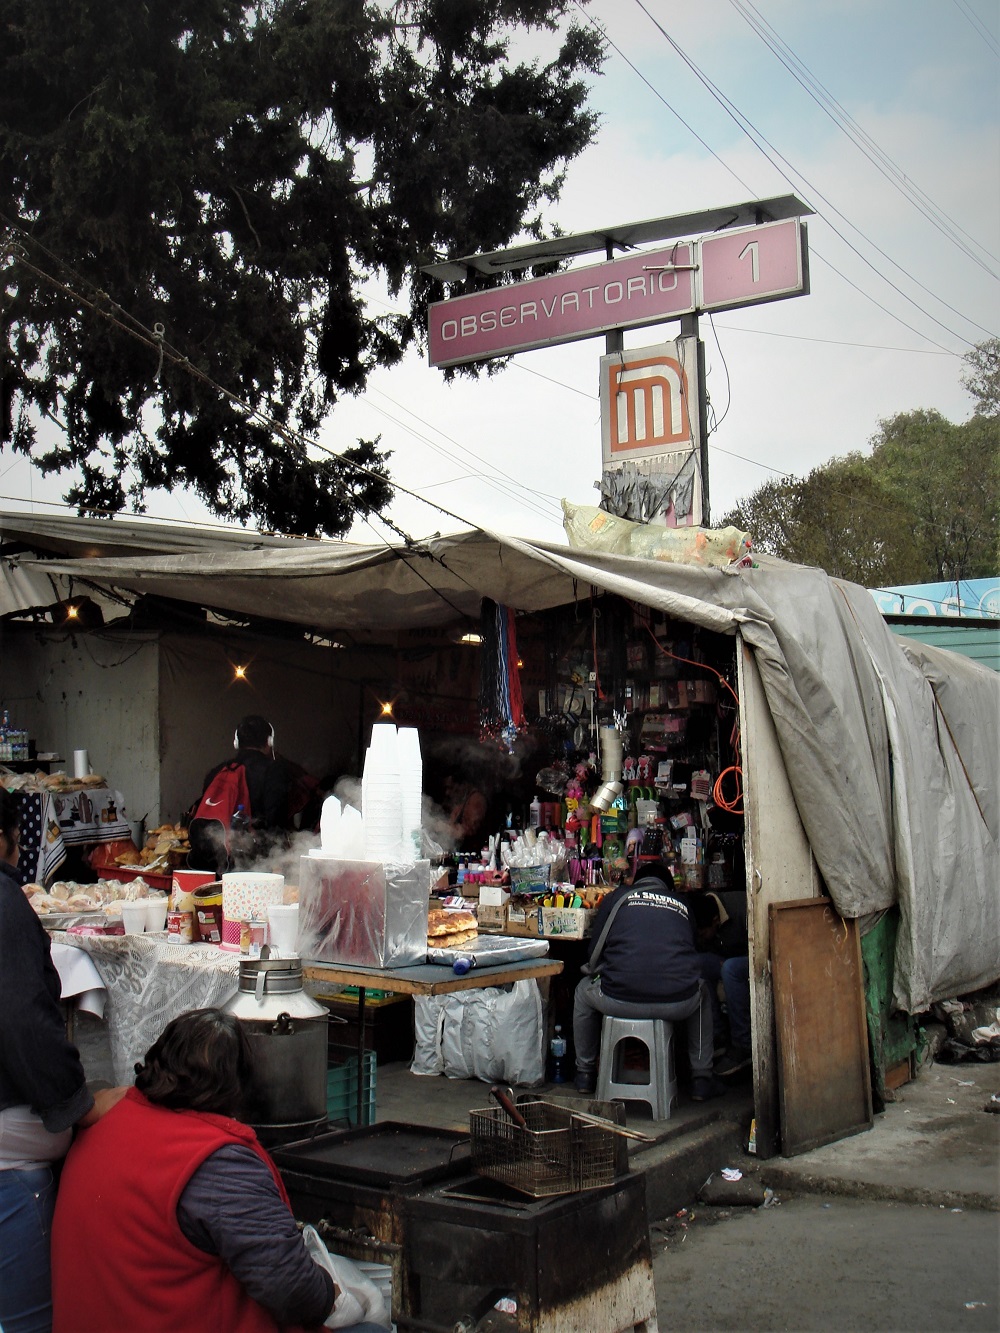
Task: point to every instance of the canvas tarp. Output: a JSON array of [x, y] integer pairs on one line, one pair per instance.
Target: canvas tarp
[[891, 753]]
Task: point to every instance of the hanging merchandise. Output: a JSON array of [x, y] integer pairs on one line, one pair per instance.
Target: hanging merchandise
[[501, 707]]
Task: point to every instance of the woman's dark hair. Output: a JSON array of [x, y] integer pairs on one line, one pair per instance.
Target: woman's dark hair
[[201, 1061], [10, 814]]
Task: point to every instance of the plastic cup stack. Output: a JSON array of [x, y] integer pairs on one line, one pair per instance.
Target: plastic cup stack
[[329, 825], [411, 782], [380, 796]]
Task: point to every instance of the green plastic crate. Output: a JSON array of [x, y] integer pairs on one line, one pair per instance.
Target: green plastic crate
[[342, 1087]]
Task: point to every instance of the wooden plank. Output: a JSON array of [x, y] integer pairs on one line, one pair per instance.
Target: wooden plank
[[825, 1086], [430, 978], [780, 866]]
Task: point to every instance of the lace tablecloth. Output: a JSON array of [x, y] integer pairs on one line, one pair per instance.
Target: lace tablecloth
[[149, 982]]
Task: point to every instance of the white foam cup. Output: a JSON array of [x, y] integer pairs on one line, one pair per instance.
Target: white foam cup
[[134, 917], [283, 928], [156, 913]]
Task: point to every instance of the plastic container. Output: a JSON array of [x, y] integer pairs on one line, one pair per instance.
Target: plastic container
[[342, 1087], [530, 879], [208, 914]]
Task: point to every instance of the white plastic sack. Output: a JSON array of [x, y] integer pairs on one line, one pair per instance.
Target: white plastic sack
[[428, 1026], [358, 1300], [496, 1034]]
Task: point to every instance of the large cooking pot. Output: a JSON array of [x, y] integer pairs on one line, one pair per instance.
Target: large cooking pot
[[288, 1036]]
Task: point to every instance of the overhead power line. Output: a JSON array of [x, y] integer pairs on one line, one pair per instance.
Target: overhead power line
[[846, 123], [774, 156]]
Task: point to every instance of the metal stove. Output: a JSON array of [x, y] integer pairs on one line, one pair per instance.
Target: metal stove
[[405, 1195]]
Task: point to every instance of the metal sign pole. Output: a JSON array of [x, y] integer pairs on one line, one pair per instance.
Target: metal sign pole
[[689, 329]]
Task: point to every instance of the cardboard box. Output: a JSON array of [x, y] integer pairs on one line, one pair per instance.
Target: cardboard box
[[491, 917], [568, 923], [493, 895], [364, 913], [565, 923], [525, 921]]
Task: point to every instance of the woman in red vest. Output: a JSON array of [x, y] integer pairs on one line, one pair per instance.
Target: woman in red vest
[[171, 1215]]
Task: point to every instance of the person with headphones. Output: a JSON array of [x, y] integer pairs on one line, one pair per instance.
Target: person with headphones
[[266, 777]]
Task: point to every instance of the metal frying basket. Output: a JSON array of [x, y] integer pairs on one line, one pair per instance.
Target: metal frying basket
[[556, 1154]]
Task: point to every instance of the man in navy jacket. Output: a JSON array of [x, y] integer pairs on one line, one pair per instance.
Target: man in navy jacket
[[648, 968]]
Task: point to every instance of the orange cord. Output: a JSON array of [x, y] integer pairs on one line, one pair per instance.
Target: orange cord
[[737, 801]]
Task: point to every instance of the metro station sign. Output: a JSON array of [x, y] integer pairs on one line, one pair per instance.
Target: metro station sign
[[745, 266]]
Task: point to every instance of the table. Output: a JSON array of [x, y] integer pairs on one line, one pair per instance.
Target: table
[[52, 821], [149, 982], [421, 979]]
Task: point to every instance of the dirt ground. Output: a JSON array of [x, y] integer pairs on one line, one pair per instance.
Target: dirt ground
[[820, 1264]]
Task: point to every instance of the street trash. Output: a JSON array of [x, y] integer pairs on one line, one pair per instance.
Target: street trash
[[770, 1198], [993, 1104], [752, 1144], [731, 1173]]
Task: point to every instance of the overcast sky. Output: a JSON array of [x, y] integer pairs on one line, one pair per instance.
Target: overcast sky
[[793, 383]]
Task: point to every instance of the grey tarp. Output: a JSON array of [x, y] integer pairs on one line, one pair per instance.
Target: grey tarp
[[892, 762]]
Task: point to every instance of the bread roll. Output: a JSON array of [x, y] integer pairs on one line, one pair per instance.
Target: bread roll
[[440, 921], [452, 941]]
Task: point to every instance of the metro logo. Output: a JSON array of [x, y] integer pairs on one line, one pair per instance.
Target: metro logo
[[648, 404]]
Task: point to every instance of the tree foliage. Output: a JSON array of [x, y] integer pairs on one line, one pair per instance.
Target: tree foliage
[[193, 194], [924, 506]]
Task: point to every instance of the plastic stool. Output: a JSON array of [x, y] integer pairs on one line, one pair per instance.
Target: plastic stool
[[657, 1034]]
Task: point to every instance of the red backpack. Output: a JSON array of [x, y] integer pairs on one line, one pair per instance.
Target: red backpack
[[211, 829]]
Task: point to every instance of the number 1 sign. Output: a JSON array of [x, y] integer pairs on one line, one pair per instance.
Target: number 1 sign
[[754, 264]]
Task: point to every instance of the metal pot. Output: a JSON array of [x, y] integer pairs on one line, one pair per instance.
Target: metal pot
[[288, 1036]]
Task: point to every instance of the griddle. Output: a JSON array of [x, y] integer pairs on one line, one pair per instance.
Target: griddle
[[387, 1154]]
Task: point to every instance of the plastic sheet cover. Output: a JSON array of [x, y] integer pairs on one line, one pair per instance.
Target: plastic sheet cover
[[363, 913]]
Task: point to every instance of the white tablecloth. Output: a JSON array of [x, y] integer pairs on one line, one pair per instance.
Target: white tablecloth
[[79, 978], [149, 982]]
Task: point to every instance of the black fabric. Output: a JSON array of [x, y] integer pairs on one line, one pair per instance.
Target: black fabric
[[39, 1066], [649, 954], [231, 1208]]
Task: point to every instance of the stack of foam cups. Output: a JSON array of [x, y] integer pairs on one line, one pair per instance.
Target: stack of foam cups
[[380, 796], [411, 783]]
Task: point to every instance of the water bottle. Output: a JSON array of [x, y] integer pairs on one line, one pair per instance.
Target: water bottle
[[557, 1049]]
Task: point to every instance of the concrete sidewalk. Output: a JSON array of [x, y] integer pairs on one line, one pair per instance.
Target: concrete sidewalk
[[934, 1145]]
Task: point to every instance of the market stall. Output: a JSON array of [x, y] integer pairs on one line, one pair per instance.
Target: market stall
[[864, 761]]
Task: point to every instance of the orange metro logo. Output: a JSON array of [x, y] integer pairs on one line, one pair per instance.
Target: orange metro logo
[[648, 401]]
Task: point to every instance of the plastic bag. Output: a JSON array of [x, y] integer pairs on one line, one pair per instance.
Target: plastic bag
[[358, 1300], [496, 1034], [428, 1026]]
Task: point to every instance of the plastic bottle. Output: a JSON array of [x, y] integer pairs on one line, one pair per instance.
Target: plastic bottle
[[535, 813], [557, 1049], [462, 867]]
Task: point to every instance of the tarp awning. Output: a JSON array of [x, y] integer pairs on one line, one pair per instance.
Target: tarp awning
[[891, 750]]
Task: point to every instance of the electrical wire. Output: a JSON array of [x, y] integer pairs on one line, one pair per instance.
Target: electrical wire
[[848, 126], [978, 25], [764, 146]]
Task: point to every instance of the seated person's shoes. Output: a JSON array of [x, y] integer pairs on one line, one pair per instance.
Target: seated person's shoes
[[705, 1088], [734, 1060], [586, 1083]]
